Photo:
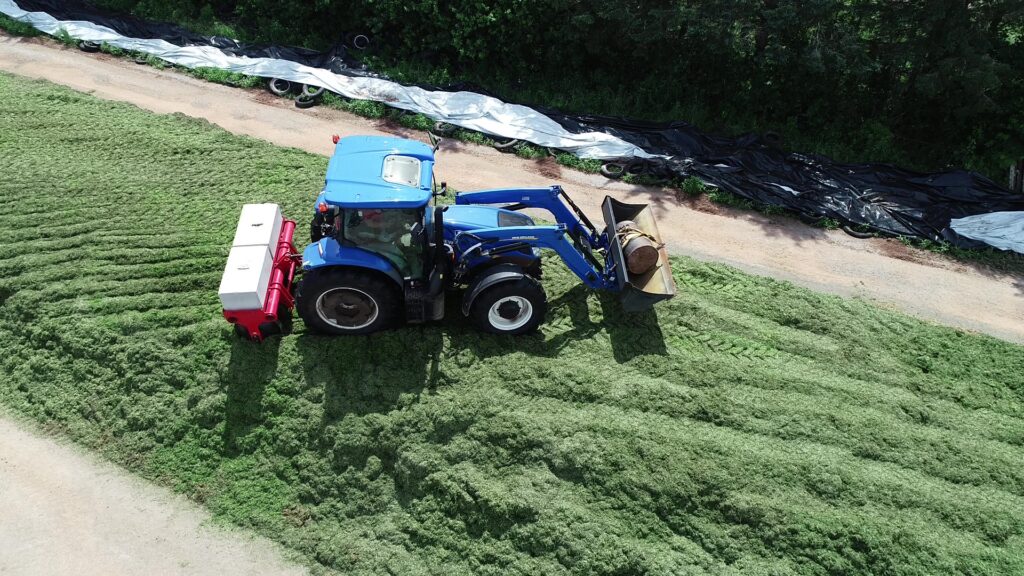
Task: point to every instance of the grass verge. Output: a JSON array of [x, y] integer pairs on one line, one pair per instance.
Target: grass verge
[[747, 426]]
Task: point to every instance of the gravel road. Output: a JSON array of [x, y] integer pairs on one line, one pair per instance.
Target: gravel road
[[65, 513]]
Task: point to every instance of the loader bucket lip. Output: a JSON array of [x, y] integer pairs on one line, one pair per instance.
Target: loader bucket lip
[[637, 292]]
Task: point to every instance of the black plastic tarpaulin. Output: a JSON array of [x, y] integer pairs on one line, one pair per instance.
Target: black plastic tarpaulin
[[883, 197]]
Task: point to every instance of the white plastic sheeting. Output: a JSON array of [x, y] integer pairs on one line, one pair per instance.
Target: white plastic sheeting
[[466, 109], [1003, 230]]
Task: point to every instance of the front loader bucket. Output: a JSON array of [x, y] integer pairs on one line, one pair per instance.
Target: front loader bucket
[[637, 292]]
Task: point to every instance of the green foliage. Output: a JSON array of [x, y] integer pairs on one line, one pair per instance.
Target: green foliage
[[726, 198], [365, 108], [225, 77], [111, 49], [582, 164], [746, 426], [12, 26], [416, 121], [998, 260], [693, 186], [63, 37], [531, 151], [927, 84]]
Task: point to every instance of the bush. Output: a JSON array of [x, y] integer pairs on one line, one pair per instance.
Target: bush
[[833, 77]]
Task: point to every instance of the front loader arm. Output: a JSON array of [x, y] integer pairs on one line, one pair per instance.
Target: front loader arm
[[552, 199], [487, 241]]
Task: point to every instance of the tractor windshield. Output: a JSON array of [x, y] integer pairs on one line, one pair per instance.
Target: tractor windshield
[[387, 232]]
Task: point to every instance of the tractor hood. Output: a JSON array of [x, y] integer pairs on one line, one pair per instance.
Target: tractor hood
[[463, 217]]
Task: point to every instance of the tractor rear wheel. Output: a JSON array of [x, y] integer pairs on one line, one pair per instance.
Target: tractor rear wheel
[[512, 307], [346, 301]]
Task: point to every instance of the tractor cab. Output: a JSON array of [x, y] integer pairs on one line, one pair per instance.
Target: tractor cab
[[374, 201]]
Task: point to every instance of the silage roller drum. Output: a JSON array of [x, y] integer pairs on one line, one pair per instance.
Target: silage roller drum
[[639, 248]]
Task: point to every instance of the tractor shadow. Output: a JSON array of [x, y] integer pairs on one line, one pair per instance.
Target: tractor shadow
[[387, 371], [371, 374], [570, 320], [250, 370]]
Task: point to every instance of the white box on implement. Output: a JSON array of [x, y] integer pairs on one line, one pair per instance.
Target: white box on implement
[[247, 274], [259, 225]]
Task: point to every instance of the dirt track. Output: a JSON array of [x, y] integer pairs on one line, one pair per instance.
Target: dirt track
[[884, 271], [66, 513]]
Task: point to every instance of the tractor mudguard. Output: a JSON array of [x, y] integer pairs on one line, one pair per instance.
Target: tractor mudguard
[[327, 252], [488, 278]]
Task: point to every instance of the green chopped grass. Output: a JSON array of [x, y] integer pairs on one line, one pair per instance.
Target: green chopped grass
[[745, 427]]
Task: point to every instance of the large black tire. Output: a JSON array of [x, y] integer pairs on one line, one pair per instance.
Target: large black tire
[[303, 101], [310, 91], [857, 233], [504, 144], [279, 86], [511, 307], [360, 42], [613, 170], [347, 301], [443, 129]]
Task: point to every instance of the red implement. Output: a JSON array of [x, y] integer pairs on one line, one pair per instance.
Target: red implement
[[277, 307]]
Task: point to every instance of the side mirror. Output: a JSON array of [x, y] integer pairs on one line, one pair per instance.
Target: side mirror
[[435, 141], [443, 190]]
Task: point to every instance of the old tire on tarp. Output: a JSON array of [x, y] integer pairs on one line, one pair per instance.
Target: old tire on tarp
[[504, 144], [856, 233], [305, 102], [637, 167], [443, 129], [311, 91], [613, 170], [279, 86]]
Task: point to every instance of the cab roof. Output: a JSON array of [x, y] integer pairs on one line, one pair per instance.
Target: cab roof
[[379, 172]]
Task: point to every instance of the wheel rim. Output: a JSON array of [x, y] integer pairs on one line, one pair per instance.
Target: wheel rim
[[510, 313], [347, 308]]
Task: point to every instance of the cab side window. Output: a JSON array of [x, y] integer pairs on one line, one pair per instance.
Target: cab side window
[[387, 232]]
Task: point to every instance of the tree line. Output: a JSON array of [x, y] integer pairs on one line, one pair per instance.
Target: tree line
[[925, 83]]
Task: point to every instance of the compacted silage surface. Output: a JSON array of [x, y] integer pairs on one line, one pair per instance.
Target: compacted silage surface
[[747, 426]]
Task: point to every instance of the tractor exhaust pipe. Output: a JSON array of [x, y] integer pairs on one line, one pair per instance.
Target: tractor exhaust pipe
[[642, 269]]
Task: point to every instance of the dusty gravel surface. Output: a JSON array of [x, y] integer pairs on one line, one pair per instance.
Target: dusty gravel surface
[[65, 513], [922, 284]]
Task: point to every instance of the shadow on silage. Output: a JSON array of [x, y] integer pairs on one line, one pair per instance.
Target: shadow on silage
[[379, 373], [250, 370], [630, 334], [371, 374]]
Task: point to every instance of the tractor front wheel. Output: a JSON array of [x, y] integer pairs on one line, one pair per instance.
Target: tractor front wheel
[[345, 301], [512, 307]]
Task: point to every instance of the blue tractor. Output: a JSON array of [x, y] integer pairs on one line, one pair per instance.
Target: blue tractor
[[382, 253]]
